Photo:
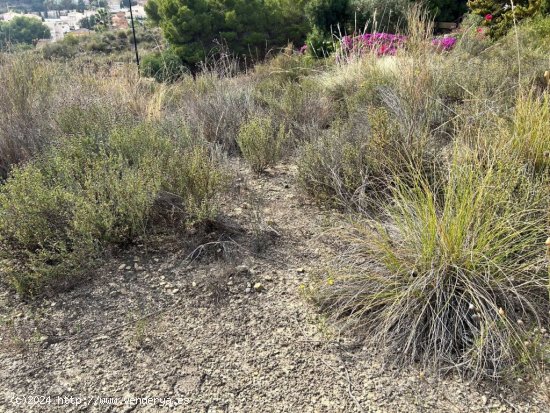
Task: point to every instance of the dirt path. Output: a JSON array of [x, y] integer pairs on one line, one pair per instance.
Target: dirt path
[[226, 334]]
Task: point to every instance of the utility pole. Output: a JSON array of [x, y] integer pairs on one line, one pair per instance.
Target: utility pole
[[134, 33]]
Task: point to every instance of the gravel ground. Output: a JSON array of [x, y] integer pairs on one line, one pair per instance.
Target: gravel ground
[[221, 328]]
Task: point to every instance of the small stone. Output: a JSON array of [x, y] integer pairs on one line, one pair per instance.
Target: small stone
[[175, 291], [128, 267], [520, 322], [242, 269], [248, 289], [121, 267], [99, 338], [258, 287], [300, 270]]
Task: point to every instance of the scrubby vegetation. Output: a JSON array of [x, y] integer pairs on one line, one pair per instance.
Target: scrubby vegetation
[[437, 151]]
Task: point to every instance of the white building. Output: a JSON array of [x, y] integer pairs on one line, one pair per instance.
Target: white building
[[66, 23]]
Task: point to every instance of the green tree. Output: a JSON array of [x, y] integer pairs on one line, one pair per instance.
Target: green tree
[[327, 15], [289, 23], [23, 30], [102, 19], [500, 15], [89, 22], [247, 27]]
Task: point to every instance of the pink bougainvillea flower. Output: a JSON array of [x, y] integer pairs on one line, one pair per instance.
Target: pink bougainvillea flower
[[488, 17], [383, 50], [479, 29]]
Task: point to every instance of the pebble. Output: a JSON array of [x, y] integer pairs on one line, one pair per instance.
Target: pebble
[[242, 269], [121, 267], [259, 287]]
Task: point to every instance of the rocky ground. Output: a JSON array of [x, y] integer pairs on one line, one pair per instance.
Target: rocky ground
[[214, 323]]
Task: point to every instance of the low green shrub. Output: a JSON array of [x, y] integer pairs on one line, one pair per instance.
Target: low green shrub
[[261, 143], [301, 106], [58, 212], [37, 240], [197, 183]]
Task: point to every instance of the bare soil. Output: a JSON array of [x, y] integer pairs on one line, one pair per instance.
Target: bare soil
[[215, 322]]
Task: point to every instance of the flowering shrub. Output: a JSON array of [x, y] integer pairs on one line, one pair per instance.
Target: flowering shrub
[[382, 44], [444, 43], [499, 15]]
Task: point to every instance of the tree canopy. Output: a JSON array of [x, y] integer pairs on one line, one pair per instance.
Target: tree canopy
[[23, 30], [247, 27]]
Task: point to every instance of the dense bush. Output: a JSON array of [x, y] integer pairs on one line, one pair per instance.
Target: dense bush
[[261, 143], [500, 16], [164, 67], [114, 42], [58, 212]]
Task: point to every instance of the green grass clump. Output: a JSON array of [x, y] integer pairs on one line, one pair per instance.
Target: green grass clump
[[456, 276], [59, 212], [531, 139], [261, 143]]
